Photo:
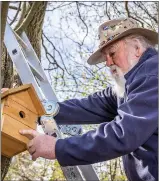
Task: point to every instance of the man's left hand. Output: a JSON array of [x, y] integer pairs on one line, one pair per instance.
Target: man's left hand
[[40, 145]]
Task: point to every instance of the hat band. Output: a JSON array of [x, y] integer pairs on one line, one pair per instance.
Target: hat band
[[108, 39]]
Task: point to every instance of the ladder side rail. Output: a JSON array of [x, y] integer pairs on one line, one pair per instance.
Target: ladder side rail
[[19, 60], [34, 60], [89, 172]]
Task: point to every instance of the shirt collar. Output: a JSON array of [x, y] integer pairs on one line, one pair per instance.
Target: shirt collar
[[147, 54]]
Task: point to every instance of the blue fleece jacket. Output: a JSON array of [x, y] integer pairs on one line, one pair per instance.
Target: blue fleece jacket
[[127, 127]]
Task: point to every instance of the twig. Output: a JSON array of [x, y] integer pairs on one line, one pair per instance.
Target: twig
[[23, 12], [83, 22], [28, 18], [130, 16], [18, 10], [14, 7]]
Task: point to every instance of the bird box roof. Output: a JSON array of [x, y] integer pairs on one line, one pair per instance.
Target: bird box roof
[[32, 93]]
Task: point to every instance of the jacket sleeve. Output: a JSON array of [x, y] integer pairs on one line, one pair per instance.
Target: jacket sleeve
[[136, 121], [96, 108]]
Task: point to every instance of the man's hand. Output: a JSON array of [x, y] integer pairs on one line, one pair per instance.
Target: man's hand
[[40, 145], [3, 90]]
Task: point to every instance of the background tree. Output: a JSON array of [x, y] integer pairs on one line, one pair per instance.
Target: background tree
[[69, 36]]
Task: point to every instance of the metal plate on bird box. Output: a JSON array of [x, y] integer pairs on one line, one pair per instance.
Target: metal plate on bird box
[[20, 109]]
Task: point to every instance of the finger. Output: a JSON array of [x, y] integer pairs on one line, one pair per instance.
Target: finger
[[32, 150], [30, 144], [3, 90], [35, 156], [29, 133]]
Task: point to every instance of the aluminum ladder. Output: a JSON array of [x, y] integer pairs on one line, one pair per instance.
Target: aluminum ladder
[[30, 70]]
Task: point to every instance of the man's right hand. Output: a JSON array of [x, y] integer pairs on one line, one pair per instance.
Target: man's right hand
[[40, 145]]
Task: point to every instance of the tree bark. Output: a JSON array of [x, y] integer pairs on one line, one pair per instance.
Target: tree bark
[[34, 32], [4, 12]]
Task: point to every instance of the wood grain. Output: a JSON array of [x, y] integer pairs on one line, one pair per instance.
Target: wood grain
[[23, 98], [13, 109], [11, 147], [2, 119], [19, 95], [11, 128]]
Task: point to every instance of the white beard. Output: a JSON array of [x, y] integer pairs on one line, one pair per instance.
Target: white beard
[[119, 81]]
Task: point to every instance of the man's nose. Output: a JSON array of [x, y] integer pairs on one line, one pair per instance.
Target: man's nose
[[109, 61]]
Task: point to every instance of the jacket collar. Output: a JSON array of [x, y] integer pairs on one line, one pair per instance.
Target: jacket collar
[[146, 55]]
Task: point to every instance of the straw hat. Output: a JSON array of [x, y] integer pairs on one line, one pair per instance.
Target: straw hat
[[113, 30]]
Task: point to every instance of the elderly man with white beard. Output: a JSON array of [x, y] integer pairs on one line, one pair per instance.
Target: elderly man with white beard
[[127, 114]]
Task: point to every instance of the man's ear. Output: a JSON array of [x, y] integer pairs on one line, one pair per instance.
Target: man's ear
[[139, 49]]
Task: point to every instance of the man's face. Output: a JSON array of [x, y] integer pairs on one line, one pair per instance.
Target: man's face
[[119, 58], [118, 54]]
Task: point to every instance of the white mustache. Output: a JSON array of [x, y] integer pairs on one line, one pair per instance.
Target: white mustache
[[115, 68], [119, 87]]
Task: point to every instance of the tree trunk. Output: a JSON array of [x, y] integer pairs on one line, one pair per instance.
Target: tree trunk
[[4, 12], [6, 66], [34, 32]]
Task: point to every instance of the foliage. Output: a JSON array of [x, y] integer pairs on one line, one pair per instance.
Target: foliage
[[23, 168]]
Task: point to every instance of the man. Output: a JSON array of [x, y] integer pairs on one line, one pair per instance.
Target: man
[[127, 114]]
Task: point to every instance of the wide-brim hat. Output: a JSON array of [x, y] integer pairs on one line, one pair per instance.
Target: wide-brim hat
[[113, 30]]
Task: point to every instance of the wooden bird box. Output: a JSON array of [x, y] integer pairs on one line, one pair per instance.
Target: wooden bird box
[[20, 109]]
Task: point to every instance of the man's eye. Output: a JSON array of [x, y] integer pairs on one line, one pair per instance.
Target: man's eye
[[112, 54]]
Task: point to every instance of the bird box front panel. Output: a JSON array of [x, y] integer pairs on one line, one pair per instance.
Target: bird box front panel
[[12, 141], [11, 128], [23, 98], [11, 147], [20, 113]]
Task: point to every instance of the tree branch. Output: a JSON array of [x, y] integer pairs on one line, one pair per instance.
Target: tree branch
[[82, 22], [130, 16], [14, 7], [28, 18], [23, 12], [18, 10]]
